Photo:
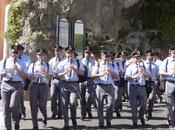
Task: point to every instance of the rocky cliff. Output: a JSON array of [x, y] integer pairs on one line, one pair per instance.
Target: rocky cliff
[[117, 24]]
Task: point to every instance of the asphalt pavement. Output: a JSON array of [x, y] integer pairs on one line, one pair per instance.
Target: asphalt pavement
[[158, 121]]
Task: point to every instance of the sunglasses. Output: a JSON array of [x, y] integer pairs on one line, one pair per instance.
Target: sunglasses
[[173, 51], [138, 57], [69, 52], [40, 54], [87, 52], [15, 52], [57, 50]]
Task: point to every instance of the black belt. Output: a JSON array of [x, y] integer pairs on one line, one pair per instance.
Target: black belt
[[171, 81], [135, 84], [117, 81], [70, 81], [104, 84], [10, 81], [138, 85], [38, 83], [150, 81]]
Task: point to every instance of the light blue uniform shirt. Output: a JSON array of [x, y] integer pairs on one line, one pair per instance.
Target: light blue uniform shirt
[[168, 66], [53, 61], [14, 76], [119, 65], [34, 69], [132, 70], [72, 76], [154, 70], [26, 59], [158, 63], [90, 63], [116, 66], [100, 68]]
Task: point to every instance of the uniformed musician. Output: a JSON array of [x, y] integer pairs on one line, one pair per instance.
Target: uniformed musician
[[40, 72], [55, 87], [151, 83], [68, 72], [87, 87], [167, 71], [27, 60], [13, 72], [136, 74], [104, 73]]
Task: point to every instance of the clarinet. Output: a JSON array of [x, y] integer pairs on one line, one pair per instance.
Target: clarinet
[[107, 76], [40, 78], [70, 74], [12, 74]]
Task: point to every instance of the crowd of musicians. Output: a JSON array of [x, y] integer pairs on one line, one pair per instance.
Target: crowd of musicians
[[93, 81]]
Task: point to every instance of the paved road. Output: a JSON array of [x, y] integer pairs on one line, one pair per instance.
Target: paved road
[[158, 121]]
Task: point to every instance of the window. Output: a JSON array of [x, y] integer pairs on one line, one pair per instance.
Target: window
[[79, 37], [63, 33]]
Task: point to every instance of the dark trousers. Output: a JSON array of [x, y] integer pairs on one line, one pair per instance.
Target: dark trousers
[[137, 94], [11, 96], [101, 92], [87, 92], [38, 94], [151, 94], [55, 98], [69, 95]]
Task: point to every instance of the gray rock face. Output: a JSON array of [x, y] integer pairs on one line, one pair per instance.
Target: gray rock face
[[105, 18]]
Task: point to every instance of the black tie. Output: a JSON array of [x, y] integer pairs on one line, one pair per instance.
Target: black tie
[[150, 69], [14, 60], [112, 64], [123, 64], [87, 62], [107, 76], [87, 65], [137, 70]]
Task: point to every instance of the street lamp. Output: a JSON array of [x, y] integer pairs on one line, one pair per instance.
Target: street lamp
[[42, 6]]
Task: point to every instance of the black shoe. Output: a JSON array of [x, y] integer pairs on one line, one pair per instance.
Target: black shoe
[[101, 125], [35, 128], [16, 126], [59, 117], [171, 126], [74, 123], [53, 116], [20, 116], [23, 115], [90, 115], [142, 120], [44, 122], [149, 116], [65, 128], [146, 117], [108, 124], [82, 117], [134, 126], [118, 114], [160, 100]]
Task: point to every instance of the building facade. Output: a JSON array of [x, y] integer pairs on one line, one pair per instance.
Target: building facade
[[3, 4]]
